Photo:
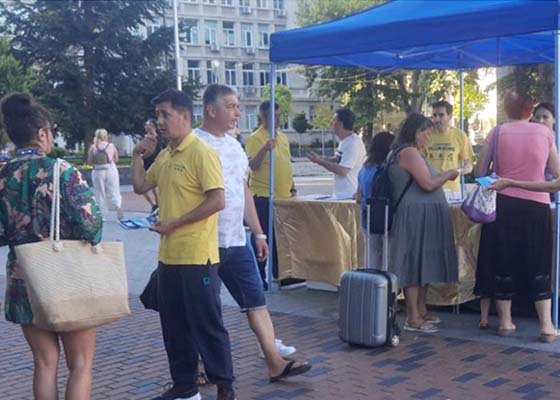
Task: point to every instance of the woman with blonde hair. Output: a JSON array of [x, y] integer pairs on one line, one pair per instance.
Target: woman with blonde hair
[[105, 176], [26, 192]]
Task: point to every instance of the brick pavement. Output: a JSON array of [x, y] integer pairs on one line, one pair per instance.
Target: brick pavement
[[131, 364]]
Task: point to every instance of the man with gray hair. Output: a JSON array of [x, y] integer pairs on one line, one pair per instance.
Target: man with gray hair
[[238, 269]]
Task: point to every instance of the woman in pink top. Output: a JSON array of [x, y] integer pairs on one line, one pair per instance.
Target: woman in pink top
[[105, 176], [516, 250]]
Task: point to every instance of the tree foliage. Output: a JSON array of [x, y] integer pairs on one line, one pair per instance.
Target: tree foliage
[[367, 92], [536, 80], [300, 123], [14, 77], [283, 97], [95, 68]]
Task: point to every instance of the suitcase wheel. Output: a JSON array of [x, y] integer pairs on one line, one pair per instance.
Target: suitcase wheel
[[395, 340]]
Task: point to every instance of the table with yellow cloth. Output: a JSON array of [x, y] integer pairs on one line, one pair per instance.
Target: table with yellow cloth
[[319, 240]]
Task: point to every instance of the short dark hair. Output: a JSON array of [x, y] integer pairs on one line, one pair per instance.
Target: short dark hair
[[413, 124], [151, 121], [547, 106], [179, 100], [442, 103], [22, 117], [265, 107], [347, 118], [379, 147], [214, 91], [517, 104]]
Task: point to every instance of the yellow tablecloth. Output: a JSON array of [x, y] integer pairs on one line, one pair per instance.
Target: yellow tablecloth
[[319, 240]]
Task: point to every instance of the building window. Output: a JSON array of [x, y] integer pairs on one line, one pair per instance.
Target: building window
[[244, 3], [193, 70], [248, 75], [282, 77], [229, 33], [209, 1], [227, 2], [251, 117], [264, 74], [190, 1], [197, 113], [263, 36], [210, 32], [279, 28], [151, 29], [231, 73], [212, 72], [278, 4], [247, 35], [262, 3], [191, 32]]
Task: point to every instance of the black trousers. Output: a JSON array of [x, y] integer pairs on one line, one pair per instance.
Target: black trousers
[[261, 203], [190, 312]]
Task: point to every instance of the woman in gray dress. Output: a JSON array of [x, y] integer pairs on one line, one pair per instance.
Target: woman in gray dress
[[422, 248]]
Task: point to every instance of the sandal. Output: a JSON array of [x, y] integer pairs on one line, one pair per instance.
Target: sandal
[[548, 337], [504, 332], [425, 327], [431, 319], [291, 370], [201, 379], [483, 325]]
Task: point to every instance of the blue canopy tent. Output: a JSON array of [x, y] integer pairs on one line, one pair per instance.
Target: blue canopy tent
[[431, 34]]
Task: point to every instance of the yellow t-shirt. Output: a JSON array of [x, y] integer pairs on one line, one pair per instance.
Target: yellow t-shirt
[[283, 178], [183, 176], [447, 150]]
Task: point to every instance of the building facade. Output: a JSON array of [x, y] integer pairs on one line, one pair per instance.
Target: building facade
[[227, 41]]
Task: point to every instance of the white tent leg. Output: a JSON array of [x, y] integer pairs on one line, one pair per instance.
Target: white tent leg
[[272, 135], [557, 195], [461, 124]]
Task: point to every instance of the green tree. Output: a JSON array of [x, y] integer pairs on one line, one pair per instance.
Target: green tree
[[300, 125], [13, 77], [95, 68], [367, 92], [322, 121], [283, 97]]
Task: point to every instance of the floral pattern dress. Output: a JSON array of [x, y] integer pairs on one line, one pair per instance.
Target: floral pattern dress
[[26, 184]]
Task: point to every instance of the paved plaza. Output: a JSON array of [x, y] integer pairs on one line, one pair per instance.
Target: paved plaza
[[460, 362]]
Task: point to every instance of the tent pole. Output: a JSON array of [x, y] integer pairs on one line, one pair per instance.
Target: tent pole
[[461, 123], [272, 135], [177, 52], [557, 194]]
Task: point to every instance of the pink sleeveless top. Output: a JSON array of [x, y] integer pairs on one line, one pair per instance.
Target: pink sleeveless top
[[523, 149]]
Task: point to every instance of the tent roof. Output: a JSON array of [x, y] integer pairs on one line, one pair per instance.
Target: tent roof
[[427, 34]]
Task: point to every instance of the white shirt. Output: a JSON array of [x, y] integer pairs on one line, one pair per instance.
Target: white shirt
[[235, 168], [351, 153]]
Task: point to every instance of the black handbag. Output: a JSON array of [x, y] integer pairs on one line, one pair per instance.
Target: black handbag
[[149, 295]]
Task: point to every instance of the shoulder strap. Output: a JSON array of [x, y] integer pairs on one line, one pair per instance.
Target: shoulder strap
[[408, 184]]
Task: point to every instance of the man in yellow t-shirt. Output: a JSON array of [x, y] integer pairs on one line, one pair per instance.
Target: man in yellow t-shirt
[[258, 147], [449, 147], [188, 175]]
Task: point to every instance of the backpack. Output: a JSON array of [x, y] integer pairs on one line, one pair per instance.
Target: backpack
[[381, 200], [100, 156]]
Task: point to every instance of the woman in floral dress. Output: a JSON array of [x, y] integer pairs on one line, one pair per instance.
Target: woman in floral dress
[[25, 204]]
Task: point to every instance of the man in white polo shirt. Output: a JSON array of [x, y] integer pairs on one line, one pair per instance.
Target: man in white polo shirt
[[349, 157], [238, 268]]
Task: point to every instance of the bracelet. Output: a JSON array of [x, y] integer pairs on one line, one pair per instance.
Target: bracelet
[[259, 236]]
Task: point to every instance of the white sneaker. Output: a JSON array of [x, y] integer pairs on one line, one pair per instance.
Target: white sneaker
[[195, 397], [285, 351], [281, 348]]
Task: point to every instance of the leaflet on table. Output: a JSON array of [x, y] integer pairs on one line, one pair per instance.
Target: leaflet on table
[[139, 223], [323, 197], [486, 181]]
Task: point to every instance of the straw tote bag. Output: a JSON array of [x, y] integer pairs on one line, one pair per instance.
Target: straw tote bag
[[72, 285]]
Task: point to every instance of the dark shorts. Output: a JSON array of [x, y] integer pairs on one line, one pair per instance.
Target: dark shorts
[[239, 272]]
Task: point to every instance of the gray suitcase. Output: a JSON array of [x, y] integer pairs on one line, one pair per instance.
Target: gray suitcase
[[367, 302]]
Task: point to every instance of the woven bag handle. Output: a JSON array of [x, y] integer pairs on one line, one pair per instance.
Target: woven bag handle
[[55, 205]]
